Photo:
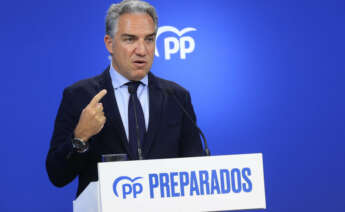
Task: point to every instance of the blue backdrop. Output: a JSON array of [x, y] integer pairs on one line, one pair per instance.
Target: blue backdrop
[[265, 76]]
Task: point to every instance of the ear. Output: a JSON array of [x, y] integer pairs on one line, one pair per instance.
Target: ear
[[108, 41]]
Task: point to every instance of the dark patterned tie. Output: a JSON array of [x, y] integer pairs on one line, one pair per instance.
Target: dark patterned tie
[[136, 119]]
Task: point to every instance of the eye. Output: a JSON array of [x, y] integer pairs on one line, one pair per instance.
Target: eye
[[150, 39], [129, 39]]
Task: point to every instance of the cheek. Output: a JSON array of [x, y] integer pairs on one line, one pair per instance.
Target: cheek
[[123, 51], [152, 47], [128, 53], [124, 56], [151, 51]]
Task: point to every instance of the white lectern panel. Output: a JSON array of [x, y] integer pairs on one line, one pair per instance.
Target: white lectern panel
[[215, 183]]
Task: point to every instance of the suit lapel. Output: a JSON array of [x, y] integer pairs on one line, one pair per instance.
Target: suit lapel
[[112, 114], [156, 102]]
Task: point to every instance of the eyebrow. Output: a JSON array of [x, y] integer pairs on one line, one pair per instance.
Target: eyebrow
[[130, 35], [152, 34]]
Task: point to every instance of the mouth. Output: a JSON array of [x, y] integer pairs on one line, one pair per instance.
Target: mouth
[[139, 63]]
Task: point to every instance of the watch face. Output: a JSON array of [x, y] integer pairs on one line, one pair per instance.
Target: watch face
[[79, 145]]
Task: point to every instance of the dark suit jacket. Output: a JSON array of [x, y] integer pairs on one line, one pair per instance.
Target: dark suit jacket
[[170, 133]]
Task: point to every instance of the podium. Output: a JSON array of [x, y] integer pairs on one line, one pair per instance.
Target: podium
[[213, 183]]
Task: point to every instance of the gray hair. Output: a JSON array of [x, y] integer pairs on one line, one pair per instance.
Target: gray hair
[[127, 6]]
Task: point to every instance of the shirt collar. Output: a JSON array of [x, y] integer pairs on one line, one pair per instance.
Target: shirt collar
[[118, 80]]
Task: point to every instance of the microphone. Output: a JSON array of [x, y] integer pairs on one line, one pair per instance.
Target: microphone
[[172, 93]]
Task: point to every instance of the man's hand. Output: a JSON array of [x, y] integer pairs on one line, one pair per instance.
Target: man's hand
[[92, 119]]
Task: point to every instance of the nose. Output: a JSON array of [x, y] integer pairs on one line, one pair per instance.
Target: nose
[[141, 49]]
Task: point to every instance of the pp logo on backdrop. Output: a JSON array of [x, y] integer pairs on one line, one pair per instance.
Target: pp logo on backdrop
[[172, 45], [127, 187]]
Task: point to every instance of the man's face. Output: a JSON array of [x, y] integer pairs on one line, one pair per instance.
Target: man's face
[[133, 45]]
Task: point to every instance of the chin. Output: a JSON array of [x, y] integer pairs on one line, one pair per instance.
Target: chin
[[139, 74]]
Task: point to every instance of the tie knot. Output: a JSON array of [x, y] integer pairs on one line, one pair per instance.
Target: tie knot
[[133, 86]]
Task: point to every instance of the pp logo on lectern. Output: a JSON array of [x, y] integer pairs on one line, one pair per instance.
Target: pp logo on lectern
[[184, 44], [128, 187], [185, 183]]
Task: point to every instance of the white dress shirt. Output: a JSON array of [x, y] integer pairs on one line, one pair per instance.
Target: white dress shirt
[[122, 96]]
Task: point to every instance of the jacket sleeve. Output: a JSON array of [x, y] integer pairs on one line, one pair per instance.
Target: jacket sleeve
[[62, 164]]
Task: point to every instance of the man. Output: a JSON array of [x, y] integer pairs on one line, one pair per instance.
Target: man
[[99, 115]]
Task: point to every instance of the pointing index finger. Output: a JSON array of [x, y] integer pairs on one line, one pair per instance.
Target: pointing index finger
[[98, 97]]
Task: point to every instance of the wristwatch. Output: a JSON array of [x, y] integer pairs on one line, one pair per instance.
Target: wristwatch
[[79, 145]]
